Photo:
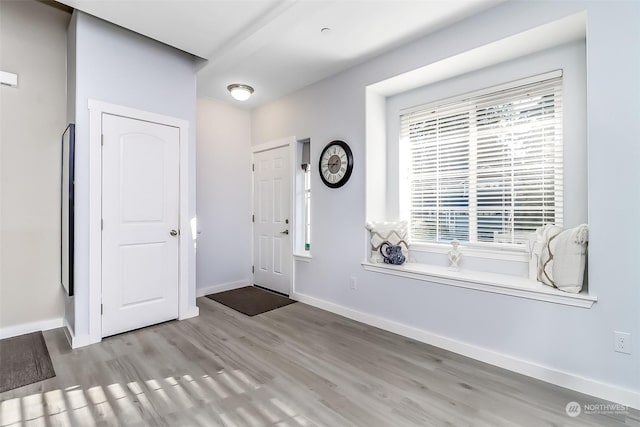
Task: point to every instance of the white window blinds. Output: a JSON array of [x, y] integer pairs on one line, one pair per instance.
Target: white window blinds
[[487, 168]]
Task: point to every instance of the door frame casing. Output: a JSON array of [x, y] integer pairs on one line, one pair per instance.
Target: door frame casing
[[96, 110], [289, 142]]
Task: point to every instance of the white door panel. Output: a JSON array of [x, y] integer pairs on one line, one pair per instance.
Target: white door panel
[[272, 204], [140, 188]]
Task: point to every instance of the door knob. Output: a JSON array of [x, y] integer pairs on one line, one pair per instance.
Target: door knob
[[173, 232], [284, 232]]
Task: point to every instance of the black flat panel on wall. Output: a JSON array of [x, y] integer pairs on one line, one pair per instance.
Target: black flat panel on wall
[[67, 208]]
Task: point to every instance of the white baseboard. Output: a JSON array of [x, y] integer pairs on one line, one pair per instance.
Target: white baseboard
[[77, 341], [26, 328], [67, 333], [200, 292], [560, 378]]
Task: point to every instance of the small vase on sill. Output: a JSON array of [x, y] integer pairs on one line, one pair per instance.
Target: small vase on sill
[[454, 255]]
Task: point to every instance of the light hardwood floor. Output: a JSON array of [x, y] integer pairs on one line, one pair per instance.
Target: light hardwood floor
[[295, 366]]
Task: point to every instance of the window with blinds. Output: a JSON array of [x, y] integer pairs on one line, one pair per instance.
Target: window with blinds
[[486, 168]]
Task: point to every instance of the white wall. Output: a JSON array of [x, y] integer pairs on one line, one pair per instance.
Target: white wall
[[563, 339], [32, 118], [223, 254], [118, 66]]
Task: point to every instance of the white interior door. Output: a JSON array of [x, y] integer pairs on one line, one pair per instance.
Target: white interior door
[[140, 205], [272, 251]]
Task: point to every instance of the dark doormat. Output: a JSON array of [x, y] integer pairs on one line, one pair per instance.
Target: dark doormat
[[251, 300], [24, 360]]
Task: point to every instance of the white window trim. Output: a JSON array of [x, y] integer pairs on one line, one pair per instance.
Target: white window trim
[[484, 91], [503, 284], [299, 224], [303, 257], [404, 153]]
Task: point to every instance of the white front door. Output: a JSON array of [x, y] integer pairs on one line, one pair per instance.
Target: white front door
[[140, 203], [272, 251]]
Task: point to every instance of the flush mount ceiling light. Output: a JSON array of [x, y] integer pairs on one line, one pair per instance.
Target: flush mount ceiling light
[[240, 92]]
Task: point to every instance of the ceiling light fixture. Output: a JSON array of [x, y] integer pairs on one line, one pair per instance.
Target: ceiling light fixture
[[240, 92]]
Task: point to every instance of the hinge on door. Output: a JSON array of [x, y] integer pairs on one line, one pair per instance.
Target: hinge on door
[[253, 269], [101, 224], [253, 218], [102, 139], [253, 167], [101, 309]]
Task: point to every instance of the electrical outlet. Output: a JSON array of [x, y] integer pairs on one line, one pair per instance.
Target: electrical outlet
[[622, 342], [353, 284]]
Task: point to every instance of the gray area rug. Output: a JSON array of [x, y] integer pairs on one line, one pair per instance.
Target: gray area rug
[[24, 360], [251, 300]]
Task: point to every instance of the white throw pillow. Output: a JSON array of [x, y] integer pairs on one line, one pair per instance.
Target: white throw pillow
[[563, 257], [395, 232]]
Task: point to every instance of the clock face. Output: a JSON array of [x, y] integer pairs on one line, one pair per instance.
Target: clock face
[[336, 164]]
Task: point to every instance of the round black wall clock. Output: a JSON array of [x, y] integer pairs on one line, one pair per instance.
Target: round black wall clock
[[336, 164]]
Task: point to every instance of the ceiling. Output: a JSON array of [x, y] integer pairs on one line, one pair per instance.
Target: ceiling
[[277, 46]]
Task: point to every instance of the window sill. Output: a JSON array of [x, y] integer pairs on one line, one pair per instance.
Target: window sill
[[302, 257], [498, 253], [503, 284]]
